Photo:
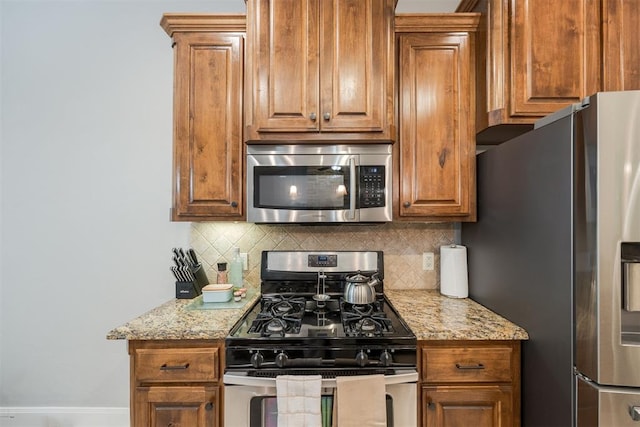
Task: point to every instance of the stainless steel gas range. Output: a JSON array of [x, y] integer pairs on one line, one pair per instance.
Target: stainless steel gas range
[[304, 325]]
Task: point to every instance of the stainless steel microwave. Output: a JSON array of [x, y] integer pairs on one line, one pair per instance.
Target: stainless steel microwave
[[319, 183]]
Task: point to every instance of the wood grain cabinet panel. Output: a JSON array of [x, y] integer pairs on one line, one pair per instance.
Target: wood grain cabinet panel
[[480, 406], [208, 150], [555, 55], [177, 406], [176, 365], [176, 383], [462, 381], [621, 44], [319, 70], [538, 56], [436, 154]]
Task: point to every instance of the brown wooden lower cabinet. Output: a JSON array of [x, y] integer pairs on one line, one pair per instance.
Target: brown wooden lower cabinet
[[176, 383], [469, 383], [161, 406]]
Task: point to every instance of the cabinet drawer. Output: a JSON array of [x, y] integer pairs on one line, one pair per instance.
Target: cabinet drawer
[[175, 365], [459, 364]]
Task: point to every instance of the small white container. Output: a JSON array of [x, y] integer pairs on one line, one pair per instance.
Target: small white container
[[217, 293]]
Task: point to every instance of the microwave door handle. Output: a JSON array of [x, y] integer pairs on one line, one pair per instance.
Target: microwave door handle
[[352, 189]]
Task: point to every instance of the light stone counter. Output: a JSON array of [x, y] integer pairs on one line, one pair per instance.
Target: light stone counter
[[174, 320], [432, 316]]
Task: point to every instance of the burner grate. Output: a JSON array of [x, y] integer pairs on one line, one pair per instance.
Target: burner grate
[[366, 320]]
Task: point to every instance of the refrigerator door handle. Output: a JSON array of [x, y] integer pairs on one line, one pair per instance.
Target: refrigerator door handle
[[634, 411], [631, 285]]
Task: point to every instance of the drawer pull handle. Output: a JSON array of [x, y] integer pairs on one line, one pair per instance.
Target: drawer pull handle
[[634, 411], [476, 366], [166, 367]]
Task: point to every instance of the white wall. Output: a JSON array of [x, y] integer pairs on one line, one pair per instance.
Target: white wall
[[85, 177], [85, 181]]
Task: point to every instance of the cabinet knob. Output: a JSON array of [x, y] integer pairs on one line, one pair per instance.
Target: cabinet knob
[[208, 406], [234, 204], [313, 117], [406, 204], [634, 411], [326, 116]]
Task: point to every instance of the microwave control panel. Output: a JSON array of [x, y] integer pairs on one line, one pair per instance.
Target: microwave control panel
[[372, 189]]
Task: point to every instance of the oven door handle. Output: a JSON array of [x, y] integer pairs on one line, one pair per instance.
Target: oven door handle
[[402, 377]]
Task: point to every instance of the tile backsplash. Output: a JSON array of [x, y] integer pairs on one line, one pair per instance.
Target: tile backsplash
[[403, 245]]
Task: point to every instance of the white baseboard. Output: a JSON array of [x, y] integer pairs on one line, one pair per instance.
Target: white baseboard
[[63, 417]]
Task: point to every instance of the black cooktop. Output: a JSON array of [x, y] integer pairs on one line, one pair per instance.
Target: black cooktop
[[300, 316]]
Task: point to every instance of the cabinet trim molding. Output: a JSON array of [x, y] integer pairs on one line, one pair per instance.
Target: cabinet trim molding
[[197, 22]]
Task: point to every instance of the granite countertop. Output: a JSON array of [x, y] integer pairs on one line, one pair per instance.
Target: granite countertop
[[176, 320], [430, 316]]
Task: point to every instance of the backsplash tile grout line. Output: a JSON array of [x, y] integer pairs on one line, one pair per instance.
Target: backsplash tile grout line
[[402, 243]]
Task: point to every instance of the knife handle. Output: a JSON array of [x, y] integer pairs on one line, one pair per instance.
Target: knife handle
[[192, 255]]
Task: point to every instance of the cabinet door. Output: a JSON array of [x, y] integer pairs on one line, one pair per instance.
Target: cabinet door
[[191, 406], [437, 140], [452, 406], [208, 171], [319, 70], [621, 45], [282, 39], [535, 57], [354, 63], [555, 54]]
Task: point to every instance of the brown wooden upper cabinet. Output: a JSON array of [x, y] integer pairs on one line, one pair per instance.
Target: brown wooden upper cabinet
[[208, 171], [435, 156], [319, 70], [538, 56]]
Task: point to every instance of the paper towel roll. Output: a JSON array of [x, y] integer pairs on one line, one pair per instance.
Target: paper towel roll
[[453, 271]]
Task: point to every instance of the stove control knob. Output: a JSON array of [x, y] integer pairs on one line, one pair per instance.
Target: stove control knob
[[281, 360], [386, 359], [362, 359], [256, 359]]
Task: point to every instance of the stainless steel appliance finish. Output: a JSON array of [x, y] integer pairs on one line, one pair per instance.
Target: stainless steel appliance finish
[[248, 404], [319, 183], [290, 331], [556, 249], [607, 406]]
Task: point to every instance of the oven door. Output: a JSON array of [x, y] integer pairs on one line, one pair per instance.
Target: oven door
[[251, 401]]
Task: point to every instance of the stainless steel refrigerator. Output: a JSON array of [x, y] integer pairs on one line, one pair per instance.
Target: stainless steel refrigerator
[[556, 250]]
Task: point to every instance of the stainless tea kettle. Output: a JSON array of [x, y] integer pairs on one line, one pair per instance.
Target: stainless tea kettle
[[360, 289]]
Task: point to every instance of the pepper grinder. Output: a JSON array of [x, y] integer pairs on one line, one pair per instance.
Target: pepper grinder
[[222, 273]]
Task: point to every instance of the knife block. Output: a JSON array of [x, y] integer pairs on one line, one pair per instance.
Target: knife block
[[187, 290], [191, 289]]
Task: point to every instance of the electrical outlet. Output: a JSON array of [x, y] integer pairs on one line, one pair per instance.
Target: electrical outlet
[[427, 261], [245, 260]]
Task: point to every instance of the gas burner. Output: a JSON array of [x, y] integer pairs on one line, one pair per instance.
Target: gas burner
[[368, 325], [266, 324], [283, 307], [366, 320], [275, 326]]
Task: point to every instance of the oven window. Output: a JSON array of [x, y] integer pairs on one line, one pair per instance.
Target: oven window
[[301, 187], [264, 411]]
